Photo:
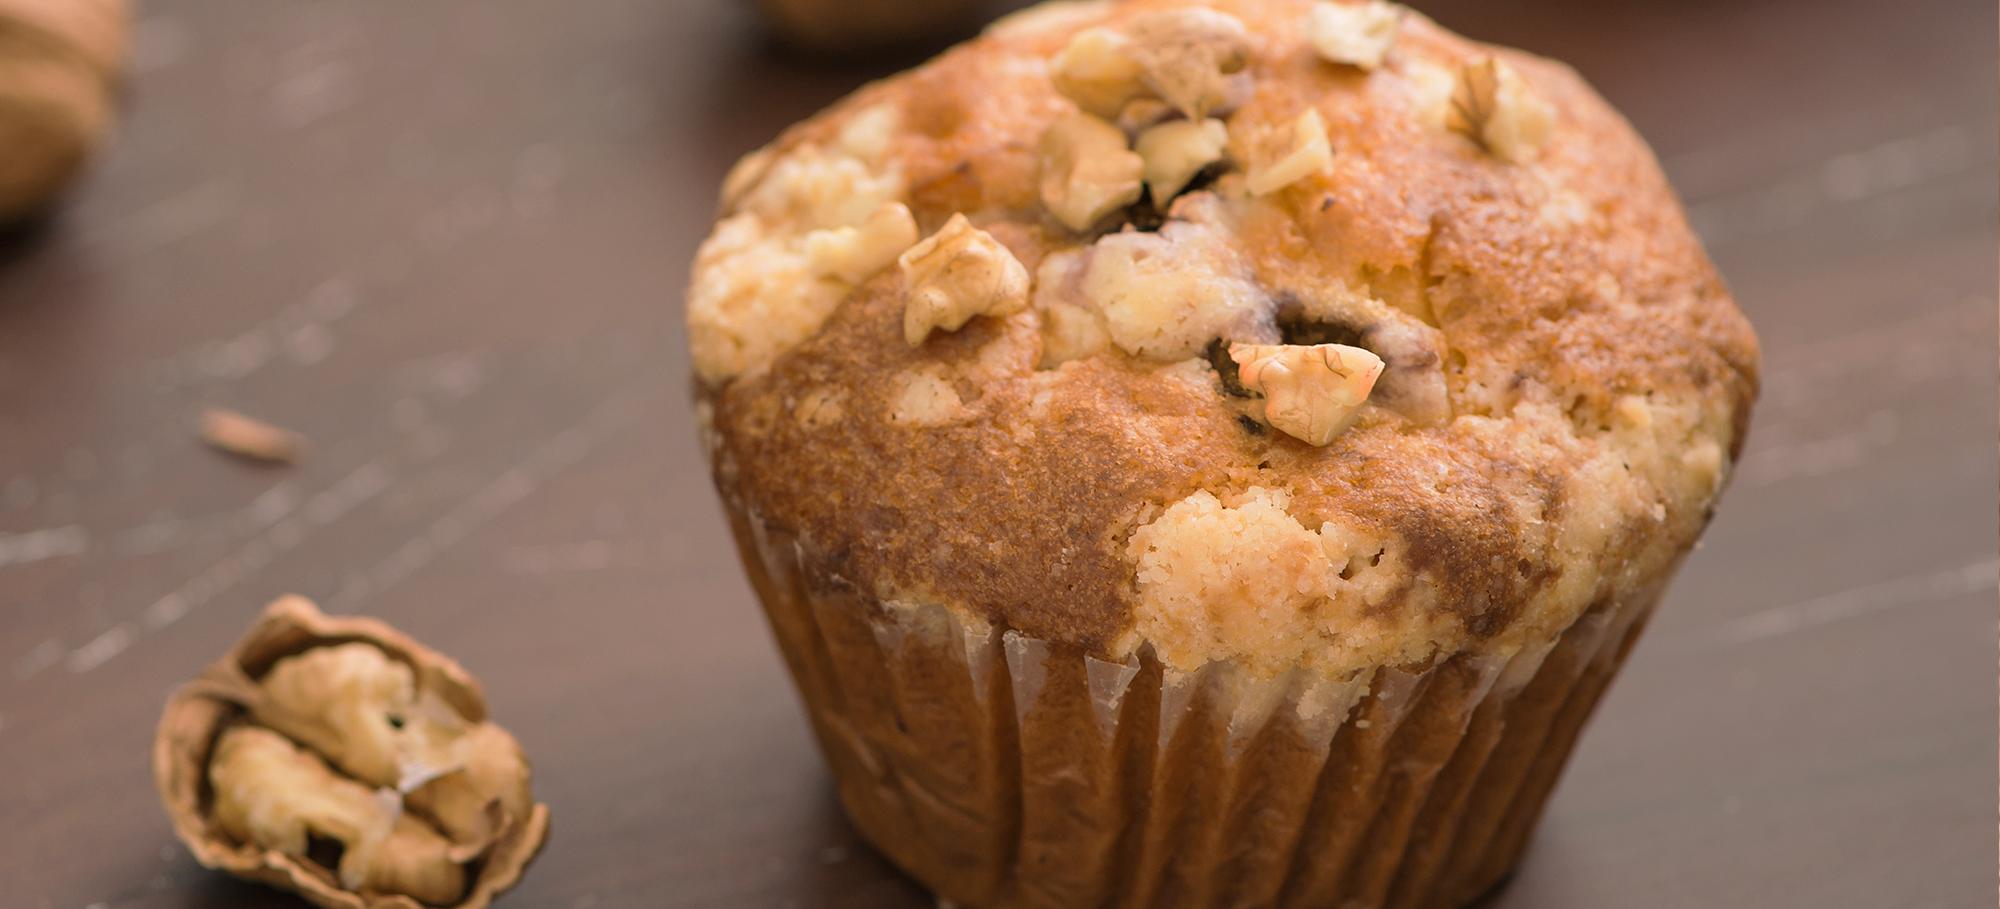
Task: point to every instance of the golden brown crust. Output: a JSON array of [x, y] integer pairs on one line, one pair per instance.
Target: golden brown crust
[[1595, 375]]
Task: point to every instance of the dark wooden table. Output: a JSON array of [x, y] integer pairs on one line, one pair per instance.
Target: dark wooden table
[[447, 242]]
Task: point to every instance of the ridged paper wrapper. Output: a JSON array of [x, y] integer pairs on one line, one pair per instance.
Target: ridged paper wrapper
[[1001, 770]]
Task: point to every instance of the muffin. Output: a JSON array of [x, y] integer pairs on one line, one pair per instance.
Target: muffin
[[1210, 455]]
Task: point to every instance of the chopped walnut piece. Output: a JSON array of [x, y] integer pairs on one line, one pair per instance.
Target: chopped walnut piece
[[853, 254], [1097, 71], [248, 437], [1140, 113], [1289, 153], [486, 790], [1175, 151], [359, 709], [955, 274], [1086, 170], [1633, 412], [1186, 56], [1312, 392], [1493, 106], [924, 398], [364, 712], [1355, 34], [275, 795], [821, 407]]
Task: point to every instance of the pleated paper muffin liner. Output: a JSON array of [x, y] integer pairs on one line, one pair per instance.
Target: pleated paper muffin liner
[[1002, 770]]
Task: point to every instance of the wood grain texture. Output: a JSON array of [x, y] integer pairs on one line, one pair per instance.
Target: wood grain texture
[[446, 243]]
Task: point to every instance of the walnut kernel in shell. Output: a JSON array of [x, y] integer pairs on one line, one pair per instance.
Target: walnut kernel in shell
[[390, 754]]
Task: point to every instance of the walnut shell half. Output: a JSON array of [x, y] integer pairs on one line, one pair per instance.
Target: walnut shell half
[[228, 693]]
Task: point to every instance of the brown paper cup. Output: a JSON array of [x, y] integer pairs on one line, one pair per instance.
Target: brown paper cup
[[1001, 770]]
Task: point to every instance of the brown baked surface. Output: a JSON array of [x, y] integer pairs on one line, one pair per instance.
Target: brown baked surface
[[1599, 378]]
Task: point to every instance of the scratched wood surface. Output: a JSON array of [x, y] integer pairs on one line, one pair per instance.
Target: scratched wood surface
[[447, 241]]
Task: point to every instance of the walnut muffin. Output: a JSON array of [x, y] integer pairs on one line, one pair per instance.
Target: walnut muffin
[[1211, 454]]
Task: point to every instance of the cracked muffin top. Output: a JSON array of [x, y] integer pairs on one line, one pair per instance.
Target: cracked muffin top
[[1293, 334]]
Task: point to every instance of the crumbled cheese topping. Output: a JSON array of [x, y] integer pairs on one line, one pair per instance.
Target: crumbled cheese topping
[[1358, 35], [808, 226], [1165, 295], [925, 398]]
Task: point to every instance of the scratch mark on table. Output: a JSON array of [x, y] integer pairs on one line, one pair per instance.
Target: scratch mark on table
[[279, 514], [538, 171], [158, 534], [470, 212], [40, 545], [1905, 339], [299, 332], [166, 221], [163, 532], [450, 375], [510, 487], [1721, 158], [1851, 176], [101, 649], [1795, 459], [583, 556], [320, 82], [44, 655], [157, 43], [1897, 593], [21, 491]]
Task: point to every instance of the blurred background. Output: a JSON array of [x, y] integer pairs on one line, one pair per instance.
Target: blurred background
[[445, 243]]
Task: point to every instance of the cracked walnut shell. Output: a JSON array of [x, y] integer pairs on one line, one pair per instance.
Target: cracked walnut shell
[[342, 730]]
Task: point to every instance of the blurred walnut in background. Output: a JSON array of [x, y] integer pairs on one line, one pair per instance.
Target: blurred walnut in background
[[844, 26], [59, 66]]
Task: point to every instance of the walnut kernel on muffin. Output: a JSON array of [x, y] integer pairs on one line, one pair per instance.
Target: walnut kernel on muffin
[[1374, 361]]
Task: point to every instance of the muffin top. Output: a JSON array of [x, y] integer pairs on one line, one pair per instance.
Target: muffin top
[[1295, 334]]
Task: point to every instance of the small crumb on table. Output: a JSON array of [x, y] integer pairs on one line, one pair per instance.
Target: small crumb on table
[[248, 437]]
